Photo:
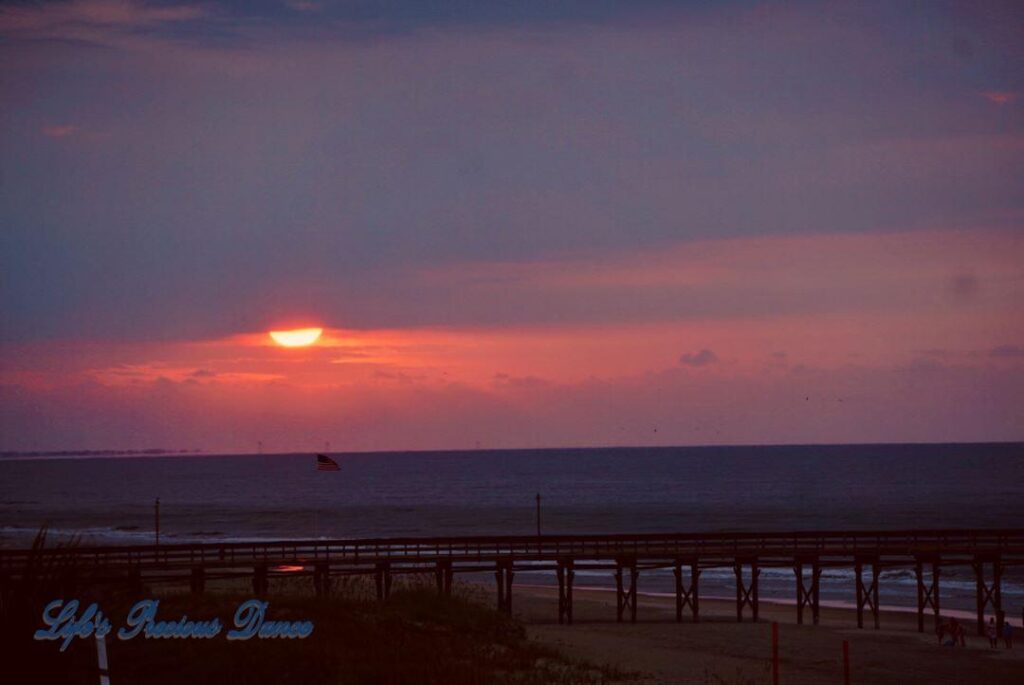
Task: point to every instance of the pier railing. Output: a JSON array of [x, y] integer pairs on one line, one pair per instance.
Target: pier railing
[[708, 547]]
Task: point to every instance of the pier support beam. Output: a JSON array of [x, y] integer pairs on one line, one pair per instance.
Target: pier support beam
[[989, 593], [443, 575], [197, 583], [503, 574], [565, 575], [867, 595], [260, 584], [382, 579], [69, 582], [135, 584], [321, 580], [625, 599], [746, 595], [808, 596], [927, 593], [687, 596]]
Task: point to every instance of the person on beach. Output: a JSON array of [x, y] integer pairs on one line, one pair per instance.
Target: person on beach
[[993, 636], [1008, 634], [955, 631]]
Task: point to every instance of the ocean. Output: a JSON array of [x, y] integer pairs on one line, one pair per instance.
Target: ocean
[[606, 490]]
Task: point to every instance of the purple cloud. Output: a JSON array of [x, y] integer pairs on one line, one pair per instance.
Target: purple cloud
[[702, 358], [964, 285], [1007, 351]]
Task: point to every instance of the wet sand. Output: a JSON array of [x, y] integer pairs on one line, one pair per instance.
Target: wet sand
[[720, 650]]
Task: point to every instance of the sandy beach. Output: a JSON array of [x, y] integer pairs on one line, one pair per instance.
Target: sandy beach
[[720, 650]]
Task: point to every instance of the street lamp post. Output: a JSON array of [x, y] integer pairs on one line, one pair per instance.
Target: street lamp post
[[538, 514]]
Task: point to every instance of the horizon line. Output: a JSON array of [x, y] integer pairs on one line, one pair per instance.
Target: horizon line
[[157, 453]]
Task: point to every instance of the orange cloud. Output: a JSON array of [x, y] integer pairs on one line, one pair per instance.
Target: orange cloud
[[1000, 97], [824, 300]]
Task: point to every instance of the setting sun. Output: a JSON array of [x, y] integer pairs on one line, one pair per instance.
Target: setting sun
[[300, 337]]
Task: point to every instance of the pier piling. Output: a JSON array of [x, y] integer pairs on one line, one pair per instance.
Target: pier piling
[[625, 598], [867, 595], [807, 596], [988, 593], [321, 579], [443, 575], [382, 580], [746, 595], [687, 596], [566, 575], [927, 593], [260, 585], [503, 574], [197, 582]]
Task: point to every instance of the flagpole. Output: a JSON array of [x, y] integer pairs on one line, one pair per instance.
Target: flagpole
[[323, 463]]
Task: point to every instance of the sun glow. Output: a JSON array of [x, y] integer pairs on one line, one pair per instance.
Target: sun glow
[[300, 337]]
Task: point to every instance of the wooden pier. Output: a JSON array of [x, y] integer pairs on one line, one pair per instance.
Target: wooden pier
[[625, 557]]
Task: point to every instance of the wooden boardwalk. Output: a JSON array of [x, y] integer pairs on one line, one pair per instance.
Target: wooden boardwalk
[[627, 557]]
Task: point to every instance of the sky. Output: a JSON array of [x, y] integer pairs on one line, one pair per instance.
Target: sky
[[519, 224]]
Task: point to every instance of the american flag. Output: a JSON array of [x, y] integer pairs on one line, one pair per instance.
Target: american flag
[[325, 463]]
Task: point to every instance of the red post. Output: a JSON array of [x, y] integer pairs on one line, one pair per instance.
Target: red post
[[775, 653], [846, 663]]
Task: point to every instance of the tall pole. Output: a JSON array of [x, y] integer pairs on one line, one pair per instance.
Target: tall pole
[[101, 660], [846, 663], [157, 517], [775, 653], [538, 514]]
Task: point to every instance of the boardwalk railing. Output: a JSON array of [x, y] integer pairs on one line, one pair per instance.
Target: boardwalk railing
[[986, 551]]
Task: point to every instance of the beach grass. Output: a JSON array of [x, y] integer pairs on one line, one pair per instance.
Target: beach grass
[[414, 637]]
